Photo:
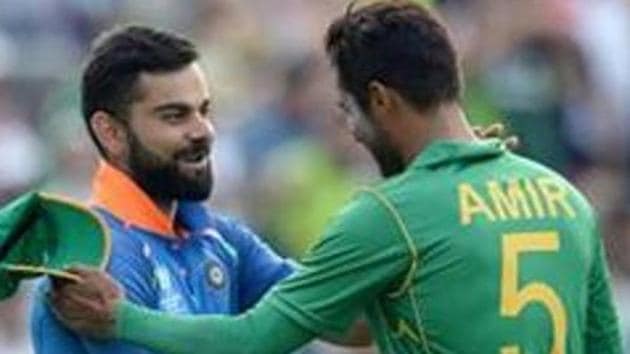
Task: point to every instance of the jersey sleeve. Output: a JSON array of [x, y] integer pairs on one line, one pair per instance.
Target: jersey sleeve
[[134, 274], [51, 337], [260, 267], [361, 256], [129, 266], [262, 329], [602, 334]]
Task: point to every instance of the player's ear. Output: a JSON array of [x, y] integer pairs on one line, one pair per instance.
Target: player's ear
[[378, 98], [111, 134], [383, 101]]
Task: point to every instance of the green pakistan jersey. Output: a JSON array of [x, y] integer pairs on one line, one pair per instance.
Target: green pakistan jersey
[[471, 250]]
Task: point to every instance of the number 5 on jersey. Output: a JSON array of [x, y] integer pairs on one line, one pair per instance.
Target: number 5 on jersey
[[514, 300]]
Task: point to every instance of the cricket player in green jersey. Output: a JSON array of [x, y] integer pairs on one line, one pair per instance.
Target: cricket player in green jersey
[[465, 247]]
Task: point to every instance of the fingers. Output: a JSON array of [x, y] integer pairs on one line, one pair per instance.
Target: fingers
[[74, 301], [93, 283], [86, 306], [83, 271], [83, 310], [83, 289], [497, 131], [70, 309]]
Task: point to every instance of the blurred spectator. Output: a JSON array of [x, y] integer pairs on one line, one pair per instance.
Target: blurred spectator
[[22, 151], [542, 89]]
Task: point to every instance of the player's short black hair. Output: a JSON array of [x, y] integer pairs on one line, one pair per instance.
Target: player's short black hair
[[400, 44], [117, 58]]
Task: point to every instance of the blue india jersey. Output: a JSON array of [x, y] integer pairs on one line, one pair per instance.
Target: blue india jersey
[[220, 267]]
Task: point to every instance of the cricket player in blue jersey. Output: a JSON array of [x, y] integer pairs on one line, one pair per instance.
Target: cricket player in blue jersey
[[147, 107]]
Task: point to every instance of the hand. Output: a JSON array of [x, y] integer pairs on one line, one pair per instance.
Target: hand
[[497, 130], [87, 306]]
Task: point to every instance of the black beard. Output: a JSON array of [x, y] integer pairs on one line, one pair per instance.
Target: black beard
[[162, 180], [389, 161]]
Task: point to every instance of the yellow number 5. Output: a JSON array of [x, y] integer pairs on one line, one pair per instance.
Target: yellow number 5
[[514, 300]]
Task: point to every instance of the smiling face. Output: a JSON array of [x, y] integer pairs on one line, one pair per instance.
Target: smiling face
[[169, 134]]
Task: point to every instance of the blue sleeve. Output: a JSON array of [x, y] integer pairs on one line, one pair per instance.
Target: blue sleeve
[[127, 265], [260, 267], [130, 267], [48, 336]]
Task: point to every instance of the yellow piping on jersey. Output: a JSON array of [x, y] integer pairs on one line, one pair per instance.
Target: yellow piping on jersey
[[406, 285], [403, 230]]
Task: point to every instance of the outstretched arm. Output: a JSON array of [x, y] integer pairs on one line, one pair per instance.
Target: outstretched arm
[[262, 327], [96, 307], [359, 259]]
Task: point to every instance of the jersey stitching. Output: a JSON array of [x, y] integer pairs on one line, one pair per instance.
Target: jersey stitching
[[381, 315], [416, 314]]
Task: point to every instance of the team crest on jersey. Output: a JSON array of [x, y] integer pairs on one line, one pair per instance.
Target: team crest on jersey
[[170, 300], [215, 275]]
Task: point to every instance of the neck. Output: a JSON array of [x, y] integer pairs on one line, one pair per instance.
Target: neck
[[447, 122]]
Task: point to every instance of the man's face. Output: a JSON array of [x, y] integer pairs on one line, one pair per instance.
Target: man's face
[[170, 134], [371, 135]]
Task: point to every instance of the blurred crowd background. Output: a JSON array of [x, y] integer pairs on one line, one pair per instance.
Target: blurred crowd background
[[556, 72]]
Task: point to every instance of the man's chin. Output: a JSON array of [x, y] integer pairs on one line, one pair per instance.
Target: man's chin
[[195, 189], [195, 197], [388, 162]]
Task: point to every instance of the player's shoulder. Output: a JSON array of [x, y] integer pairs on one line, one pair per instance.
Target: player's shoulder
[[369, 207], [199, 216], [394, 192], [221, 225], [548, 175], [230, 225]]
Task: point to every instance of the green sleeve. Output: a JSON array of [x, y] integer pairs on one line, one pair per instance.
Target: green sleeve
[[603, 334], [361, 256], [261, 330]]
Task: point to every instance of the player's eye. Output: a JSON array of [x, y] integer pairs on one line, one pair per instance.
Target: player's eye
[[173, 116]]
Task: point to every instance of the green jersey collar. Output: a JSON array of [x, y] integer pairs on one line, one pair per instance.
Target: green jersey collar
[[445, 151]]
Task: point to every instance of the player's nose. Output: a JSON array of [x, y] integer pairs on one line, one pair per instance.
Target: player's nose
[[202, 130]]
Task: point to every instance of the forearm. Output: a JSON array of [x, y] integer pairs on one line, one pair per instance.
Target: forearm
[[257, 331]]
